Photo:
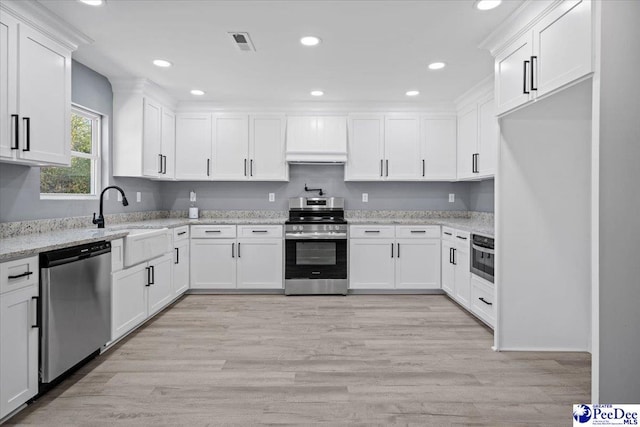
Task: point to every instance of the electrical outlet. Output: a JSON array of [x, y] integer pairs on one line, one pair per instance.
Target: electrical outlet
[[138, 197], [192, 196], [452, 197], [272, 197], [119, 196], [365, 197]]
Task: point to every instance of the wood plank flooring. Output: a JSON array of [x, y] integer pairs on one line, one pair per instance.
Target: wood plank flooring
[[356, 360]]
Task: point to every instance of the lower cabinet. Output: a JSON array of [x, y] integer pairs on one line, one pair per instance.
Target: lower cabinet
[[456, 275], [250, 257], [394, 257], [139, 292], [18, 333], [483, 300], [181, 260]]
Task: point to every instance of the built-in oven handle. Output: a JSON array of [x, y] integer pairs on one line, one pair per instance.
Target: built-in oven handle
[[315, 236], [481, 249]]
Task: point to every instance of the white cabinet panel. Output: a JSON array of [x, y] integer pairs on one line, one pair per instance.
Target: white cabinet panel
[[230, 147], [482, 302], [128, 299], [488, 136], [181, 267], [418, 264], [371, 264], [467, 141], [193, 146], [439, 148], [316, 138], [160, 291], [267, 148], [448, 268], [168, 137], [19, 349], [513, 86], [9, 119], [213, 264], [365, 148], [402, 148], [462, 270], [260, 263], [152, 162]]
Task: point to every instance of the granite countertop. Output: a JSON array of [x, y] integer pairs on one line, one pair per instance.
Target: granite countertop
[[465, 224], [178, 222]]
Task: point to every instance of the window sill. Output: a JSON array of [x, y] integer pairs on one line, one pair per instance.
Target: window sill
[[69, 197]]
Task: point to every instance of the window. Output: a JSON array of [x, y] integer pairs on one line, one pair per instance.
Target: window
[[82, 178]]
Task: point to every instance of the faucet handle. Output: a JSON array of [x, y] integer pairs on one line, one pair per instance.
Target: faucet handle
[[94, 220]]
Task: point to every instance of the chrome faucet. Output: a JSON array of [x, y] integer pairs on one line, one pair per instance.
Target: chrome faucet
[[100, 219]]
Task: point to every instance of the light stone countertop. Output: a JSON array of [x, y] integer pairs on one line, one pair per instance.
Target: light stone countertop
[[465, 224]]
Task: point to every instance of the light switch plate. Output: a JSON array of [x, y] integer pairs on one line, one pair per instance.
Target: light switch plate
[[272, 197], [365, 197], [119, 196], [138, 197], [452, 197], [192, 196]]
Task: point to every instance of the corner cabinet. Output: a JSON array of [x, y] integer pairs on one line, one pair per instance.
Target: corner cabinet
[[35, 107], [478, 135], [556, 51], [19, 331]]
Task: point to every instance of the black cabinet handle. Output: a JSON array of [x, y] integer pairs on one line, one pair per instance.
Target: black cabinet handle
[[454, 256], [208, 164], [524, 78], [153, 275], [233, 248], [160, 155], [245, 167], [212, 231], [392, 250], [418, 231], [27, 133], [37, 325], [16, 132], [461, 238], [148, 276], [533, 67], [422, 167], [251, 167], [17, 276], [450, 255], [177, 256], [485, 301], [381, 167], [238, 249], [447, 233], [164, 167], [371, 231], [259, 231], [387, 167], [181, 233], [398, 250]]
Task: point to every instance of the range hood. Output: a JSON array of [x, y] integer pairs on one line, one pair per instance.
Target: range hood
[[316, 139]]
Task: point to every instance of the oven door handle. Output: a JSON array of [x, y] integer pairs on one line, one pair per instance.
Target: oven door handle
[[316, 236], [485, 250]]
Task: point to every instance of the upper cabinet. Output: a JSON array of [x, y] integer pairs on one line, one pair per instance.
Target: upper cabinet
[[316, 139], [143, 130], [230, 147], [401, 147], [35, 82], [554, 51]]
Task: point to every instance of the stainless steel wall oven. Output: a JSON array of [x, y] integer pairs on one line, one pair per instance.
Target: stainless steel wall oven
[[482, 256]]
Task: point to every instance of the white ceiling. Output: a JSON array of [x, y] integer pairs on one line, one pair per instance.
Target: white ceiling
[[372, 52]]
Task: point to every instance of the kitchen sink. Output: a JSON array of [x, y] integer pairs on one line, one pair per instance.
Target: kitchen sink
[[143, 244]]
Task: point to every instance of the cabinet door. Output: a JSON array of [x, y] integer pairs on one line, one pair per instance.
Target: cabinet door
[[128, 299], [213, 263], [467, 141], [160, 292], [562, 44], [19, 349], [488, 136], [181, 268], [448, 268], [302, 134], [193, 147], [230, 147], [439, 148], [365, 159], [418, 264], [513, 85], [402, 148], [371, 263], [45, 99], [260, 263], [8, 85], [168, 138], [463, 274], [266, 148], [332, 134], [152, 163]]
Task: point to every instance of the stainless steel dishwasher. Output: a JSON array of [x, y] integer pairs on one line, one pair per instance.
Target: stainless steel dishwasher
[[75, 290]]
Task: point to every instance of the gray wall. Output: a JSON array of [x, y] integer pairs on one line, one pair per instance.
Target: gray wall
[[20, 185], [382, 195], [481, 196], [619, 360]]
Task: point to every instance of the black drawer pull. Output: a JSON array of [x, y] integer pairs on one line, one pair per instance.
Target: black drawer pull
[[259, 231], [485, 301], [448, 234], [17, 276], [418, 231], [462, 238], [212, 231], [181, 233], [371, 231]]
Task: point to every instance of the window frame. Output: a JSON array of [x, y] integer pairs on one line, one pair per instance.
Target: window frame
[[96, 156]]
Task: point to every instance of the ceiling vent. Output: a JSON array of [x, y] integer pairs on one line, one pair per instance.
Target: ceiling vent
[[243, 41]]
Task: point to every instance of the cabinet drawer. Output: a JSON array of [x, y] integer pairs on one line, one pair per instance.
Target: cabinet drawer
[[462, 239], [372, 231], [259, 231], [448, 233], [18, 273], [180, 234], [117, 255], [213, 231], [418, 231], [483, 300]]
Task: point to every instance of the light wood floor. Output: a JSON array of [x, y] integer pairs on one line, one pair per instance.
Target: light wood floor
[[358, 360]]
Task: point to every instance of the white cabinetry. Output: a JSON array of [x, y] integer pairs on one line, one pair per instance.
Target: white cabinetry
[[316, 139], [402, 147], [394, 257], [438, 145], [144, 130], [230, 147], [556, 51], [35, 82], [456, 275], [267, 147], [181, 260], [478, 135], [18, 333], [482, 302], [252, 259], [194, 136], [365, 161]]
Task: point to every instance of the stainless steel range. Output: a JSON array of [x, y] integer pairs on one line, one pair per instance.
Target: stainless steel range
[[316, 247]]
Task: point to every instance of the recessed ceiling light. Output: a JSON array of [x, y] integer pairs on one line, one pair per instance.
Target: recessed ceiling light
[[487, 4], [310, 40], [437, 65], [413, 93], [93, 2], [317, 93], [197, 92], [162, 63]]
